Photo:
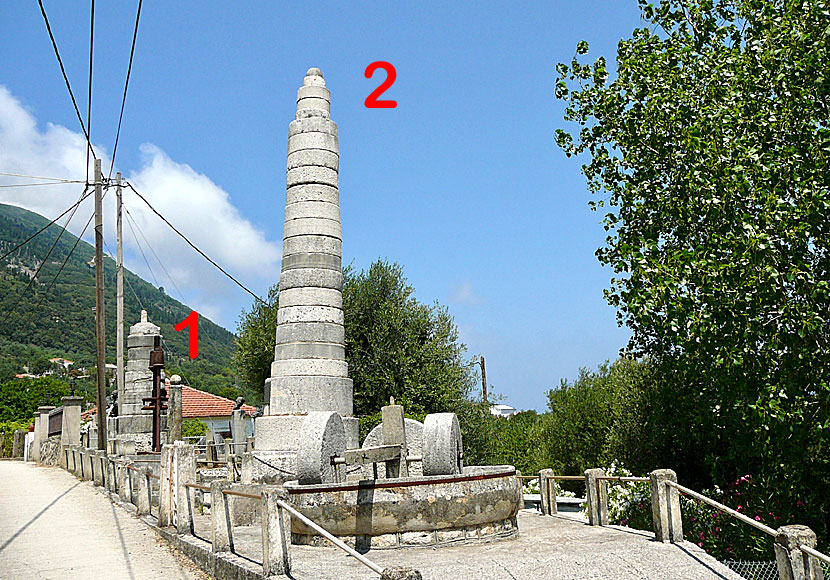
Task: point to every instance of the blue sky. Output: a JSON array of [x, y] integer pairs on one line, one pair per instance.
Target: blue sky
[[462, 183]]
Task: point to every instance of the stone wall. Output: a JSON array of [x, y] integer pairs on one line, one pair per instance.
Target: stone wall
[[50, 450]]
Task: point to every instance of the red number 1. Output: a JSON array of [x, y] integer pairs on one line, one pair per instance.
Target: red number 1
[[372, 101], [192, 324]]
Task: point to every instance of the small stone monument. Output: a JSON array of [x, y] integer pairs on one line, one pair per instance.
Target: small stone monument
[[133, 423]]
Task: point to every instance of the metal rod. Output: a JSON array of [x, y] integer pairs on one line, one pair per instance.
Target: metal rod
[[569, 477], [720, 506], [197, 486], [814, 553], [330, 537], [242, 494], [619, 478]]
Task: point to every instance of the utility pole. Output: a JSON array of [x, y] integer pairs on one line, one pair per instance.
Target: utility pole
[[483, 380], [119, 293], [99, 308]]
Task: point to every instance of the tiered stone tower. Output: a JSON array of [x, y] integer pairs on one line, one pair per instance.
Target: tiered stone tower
[[133, 423], [309, 372]]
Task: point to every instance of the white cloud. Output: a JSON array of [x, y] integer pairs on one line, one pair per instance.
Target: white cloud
[[199, 208], [464, 293]]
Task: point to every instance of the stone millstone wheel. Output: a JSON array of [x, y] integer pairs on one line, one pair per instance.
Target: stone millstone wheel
[[442, 444], [322, 437]]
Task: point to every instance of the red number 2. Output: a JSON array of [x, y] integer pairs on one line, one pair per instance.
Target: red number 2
[[372, 101], [192, 324]]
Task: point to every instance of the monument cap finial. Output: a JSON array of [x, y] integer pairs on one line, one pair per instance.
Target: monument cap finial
[[314, 78], [143, 316]]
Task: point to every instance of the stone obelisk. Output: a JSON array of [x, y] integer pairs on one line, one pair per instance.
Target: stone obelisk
[[309, 372]]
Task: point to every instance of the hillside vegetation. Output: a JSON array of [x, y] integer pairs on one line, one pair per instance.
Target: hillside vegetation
[[61, 321]]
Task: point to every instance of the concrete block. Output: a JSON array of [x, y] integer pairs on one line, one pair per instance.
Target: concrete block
[[311, 277], [165, 517], [278, 432], [547, 491], [794, 564], [312, 192], [596, 494], [394, 433], [311, 244], [292, 314], [665, 507], [309, 260], [309, 367], [309, 91], [300, 350], [221, 533], [312, 226], [313, 140], [311, 174], [312, 209], [317, 157], [276, 532], [294, 394], [141, 341], [310, 332], [311, 297]]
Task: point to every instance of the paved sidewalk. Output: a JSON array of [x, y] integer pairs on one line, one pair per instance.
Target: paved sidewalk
[[53, 526]]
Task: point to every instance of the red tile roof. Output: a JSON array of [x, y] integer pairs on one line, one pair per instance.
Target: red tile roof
[[196, 403]]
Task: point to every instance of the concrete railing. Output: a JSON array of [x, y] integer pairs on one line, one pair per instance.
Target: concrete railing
[[175, 501], [795, 552]]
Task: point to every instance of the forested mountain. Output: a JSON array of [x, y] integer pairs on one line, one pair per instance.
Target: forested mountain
[[45, 322]]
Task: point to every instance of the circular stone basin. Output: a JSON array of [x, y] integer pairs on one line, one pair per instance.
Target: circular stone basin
[[479, 504]]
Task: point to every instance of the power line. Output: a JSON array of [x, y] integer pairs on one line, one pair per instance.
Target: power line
[[41, 230], [169, 277], [140, 249], [66, 80], [126, 84], [69, 255], [109, 253], [40, 177], [89, 85], [43, 263], [37, 184], [192, 245]]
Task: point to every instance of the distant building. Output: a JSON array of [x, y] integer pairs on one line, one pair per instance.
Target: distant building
[[212, 410], [502, 410], [61, 361]]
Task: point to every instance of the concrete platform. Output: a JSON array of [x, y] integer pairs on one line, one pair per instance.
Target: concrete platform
[[53, 526]]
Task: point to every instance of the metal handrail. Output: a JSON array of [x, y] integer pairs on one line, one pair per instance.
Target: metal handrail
[[242, 494], [815, 553], [330, 537], [197, 486], [148, 474], [720, 506], [567, 477], [622, 478], [747, 520]]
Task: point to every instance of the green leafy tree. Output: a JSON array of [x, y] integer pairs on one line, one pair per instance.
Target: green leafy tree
[[20, 398], [709, 151], [255, 343], [396, 346]]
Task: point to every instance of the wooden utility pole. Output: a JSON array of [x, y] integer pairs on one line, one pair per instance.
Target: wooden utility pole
[[99, 309], [483, 380], [119, 293]]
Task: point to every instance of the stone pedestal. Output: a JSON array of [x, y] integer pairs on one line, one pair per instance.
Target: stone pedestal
[[71, 425]]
